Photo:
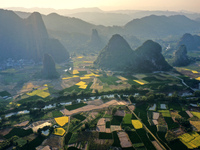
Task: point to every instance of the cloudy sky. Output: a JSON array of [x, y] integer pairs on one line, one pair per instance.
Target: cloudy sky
[[175, 5]]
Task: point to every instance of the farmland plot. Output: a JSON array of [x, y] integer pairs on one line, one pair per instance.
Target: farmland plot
[[191, 140], [124, 140], [137, 124]]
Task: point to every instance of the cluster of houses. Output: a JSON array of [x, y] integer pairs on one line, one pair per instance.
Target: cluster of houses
[[11, 63]]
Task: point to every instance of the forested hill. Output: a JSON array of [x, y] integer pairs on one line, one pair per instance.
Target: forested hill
[[118, 56], [27, 38]]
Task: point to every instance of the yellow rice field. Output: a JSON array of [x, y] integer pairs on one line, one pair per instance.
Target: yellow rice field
[[61, 120], [197, 114], [74, 76], [40, 93], [82, 78], [91, 74], [82, 85], [196, 124], [75, 72], [191, 140], [80, 57], [59, 131], [43, 94], [193, 71], [197, 78], [137, 124], [141, 83], [122, 78]]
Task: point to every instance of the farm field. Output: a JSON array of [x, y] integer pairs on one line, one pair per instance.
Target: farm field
[[92, 88], [191, 140], [62, 120], [136, 124]]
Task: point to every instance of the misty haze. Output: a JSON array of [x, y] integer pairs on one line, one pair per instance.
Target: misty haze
[[99, 75]]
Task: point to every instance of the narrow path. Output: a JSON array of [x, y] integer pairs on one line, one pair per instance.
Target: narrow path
[[68, 124], [181, 80], [148, 130]]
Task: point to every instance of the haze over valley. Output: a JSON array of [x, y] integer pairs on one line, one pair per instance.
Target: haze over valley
[[99, 75]]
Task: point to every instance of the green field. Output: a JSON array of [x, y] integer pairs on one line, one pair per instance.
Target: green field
[[18, 132], [73, 138], [165, 113], [75, 106], [20, 142], [197, 114], [184, 114], [56, 113], [175, 106], [110, 80], [79, 117], [116, 142], [103, 135], [108, 124], [134, 137], [145, 139], [116, 120], [127, 119], [171, 124]]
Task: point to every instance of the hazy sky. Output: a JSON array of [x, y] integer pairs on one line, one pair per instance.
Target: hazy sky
[[190, 5]]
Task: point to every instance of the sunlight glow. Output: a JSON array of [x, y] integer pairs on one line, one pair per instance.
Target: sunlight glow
[[176, 5]]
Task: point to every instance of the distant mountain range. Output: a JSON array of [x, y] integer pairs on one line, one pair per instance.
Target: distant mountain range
[[45, 33], [118, 56], [27, 38], [97, 16]]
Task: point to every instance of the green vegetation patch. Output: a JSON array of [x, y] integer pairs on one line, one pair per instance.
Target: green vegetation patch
[[88, 86], [145, 139], [79, 117], [175, 106], [127, 119], [133, 136], [171, 124], [81, 73], [67, 138], [151, 79], [18, 132], [107, 116], [57, 113], [197, 114], [71, 89], [165, 113], [4, 93], [116, 142], [75, 106], [20, 142], [184, 114], [103, 135], [34, 143], [108, 124], [110, 80], [30, 99], [138, 145], [116, 120], [73, 138]]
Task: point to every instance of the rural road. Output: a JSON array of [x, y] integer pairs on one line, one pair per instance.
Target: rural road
[[180, 79], [147, 129]]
